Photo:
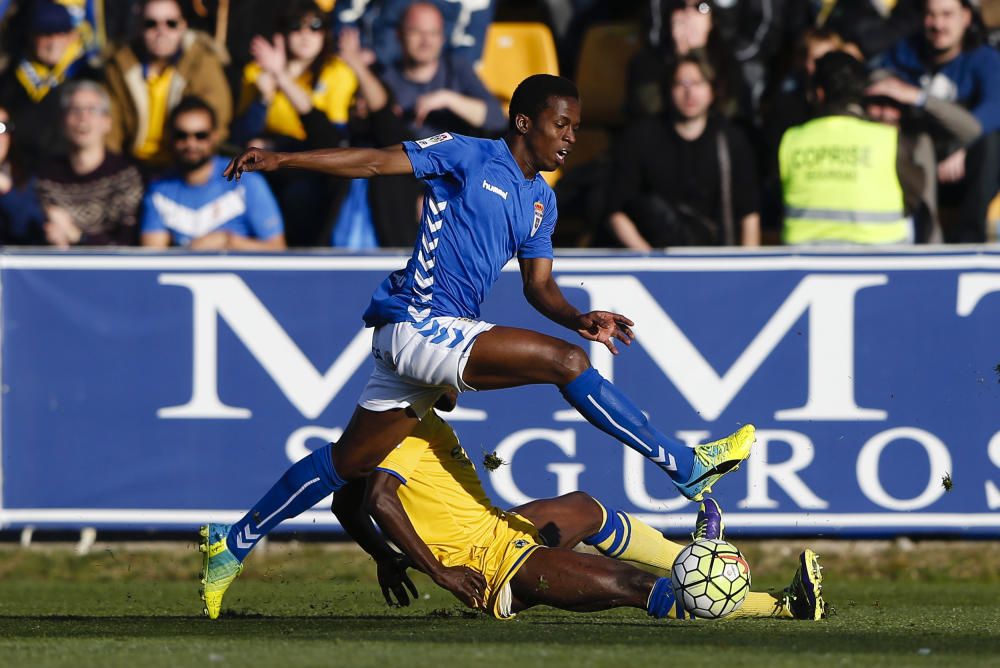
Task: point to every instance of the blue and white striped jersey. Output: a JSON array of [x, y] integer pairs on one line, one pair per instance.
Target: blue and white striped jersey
[[479, 212]]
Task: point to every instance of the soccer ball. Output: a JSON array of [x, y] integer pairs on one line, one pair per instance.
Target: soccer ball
[[711, 578]]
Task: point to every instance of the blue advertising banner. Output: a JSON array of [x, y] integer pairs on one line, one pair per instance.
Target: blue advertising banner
[[162, 391]]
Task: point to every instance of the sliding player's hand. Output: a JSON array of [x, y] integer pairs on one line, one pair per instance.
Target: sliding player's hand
[[604, 327], [467, 585], [250, 160], [394, 581]]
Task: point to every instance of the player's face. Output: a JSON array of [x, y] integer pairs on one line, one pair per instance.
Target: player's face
[[691, 92], [553, 132], [945, 23], [193, 139], [86, 120], [162, 28]]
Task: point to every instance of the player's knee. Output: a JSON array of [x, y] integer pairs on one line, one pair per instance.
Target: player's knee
[[572, 361]]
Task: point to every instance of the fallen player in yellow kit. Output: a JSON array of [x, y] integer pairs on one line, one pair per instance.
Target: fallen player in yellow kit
[[428, 499]]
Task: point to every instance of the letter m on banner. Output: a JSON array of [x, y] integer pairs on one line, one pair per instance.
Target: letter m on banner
[[226, 296], [829, 300]]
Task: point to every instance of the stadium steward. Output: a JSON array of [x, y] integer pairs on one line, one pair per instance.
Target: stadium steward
[[842, 175], [195, 206], [485, 204], [148, 77]]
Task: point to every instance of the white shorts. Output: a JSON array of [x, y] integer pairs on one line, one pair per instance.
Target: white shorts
[[416, 362]]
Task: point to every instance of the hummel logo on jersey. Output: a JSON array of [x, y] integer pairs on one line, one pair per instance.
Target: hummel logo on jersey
[[493, 189]]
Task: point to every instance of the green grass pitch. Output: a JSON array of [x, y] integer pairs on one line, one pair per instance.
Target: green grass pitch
[[932, 605]]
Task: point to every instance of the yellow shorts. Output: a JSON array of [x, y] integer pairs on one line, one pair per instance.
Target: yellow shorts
[[498, 554]]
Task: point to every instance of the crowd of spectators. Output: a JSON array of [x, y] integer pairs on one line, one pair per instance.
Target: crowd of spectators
[[748, 122]]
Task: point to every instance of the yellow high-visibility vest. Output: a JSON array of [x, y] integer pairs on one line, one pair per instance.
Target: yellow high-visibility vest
[[839, 183]]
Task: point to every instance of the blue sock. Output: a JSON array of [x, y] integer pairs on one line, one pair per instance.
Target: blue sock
[[304, 484], [661, 600], [608, 409]]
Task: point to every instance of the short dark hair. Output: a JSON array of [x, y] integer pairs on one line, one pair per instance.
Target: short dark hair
[[842, 77], [531, 96], [187, 104]]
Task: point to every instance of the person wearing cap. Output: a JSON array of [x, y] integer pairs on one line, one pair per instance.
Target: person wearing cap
[[949, 60], [55, 54], [148, 77]]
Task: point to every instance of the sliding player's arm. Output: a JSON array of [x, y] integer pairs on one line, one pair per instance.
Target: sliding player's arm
[[345, 162], [542, 292], [382, 502], [348, 506]]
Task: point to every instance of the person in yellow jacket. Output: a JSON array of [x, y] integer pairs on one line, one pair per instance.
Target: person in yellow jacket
[[148, 78], [846, 179], [297, 94]]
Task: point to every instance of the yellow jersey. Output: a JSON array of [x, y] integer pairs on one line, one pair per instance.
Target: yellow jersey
[[331, 94], [448, 507]]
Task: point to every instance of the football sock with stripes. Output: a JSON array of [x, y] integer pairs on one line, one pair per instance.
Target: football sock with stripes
[[608, 409], [623, 536], [306, 483]]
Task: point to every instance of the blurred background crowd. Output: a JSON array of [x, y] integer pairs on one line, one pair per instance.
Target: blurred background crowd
[[705, 122]]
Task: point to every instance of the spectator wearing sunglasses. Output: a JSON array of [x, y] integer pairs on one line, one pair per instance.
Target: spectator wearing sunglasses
[[195, 206], [296, 95], [148, 77]]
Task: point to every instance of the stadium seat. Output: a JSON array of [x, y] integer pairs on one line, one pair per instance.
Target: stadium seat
[[600, 73], [514, 51], [993, 220]]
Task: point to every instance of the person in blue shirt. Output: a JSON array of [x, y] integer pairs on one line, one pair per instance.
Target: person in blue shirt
[[436, 91], [195, 206], [950, 61], [485, 204]]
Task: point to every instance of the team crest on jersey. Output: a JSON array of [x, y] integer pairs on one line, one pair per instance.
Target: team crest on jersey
[[520, 543], [436, 139], [539, 212]]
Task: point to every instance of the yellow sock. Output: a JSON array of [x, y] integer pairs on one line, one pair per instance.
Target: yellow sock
[[623, 536], [759, 604]]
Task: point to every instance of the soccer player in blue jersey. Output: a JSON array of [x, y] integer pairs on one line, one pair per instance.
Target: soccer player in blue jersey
[[485, 204]]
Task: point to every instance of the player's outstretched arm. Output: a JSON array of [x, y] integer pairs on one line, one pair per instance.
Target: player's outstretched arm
[[542, 292], [345, 162], [382, 502], [348, 506]]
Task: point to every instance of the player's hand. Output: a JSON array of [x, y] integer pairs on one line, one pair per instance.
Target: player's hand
[[250, 160], [604, 327], [394, 581], [467, 585]]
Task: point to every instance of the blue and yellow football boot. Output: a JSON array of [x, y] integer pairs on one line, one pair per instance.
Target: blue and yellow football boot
[[219, 567], [716, 459], [804, 596]]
